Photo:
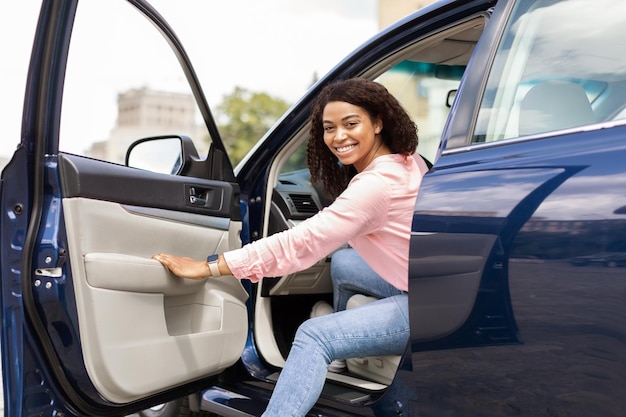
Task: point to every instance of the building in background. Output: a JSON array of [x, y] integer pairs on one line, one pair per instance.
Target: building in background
[[143, 113], [389, 11]]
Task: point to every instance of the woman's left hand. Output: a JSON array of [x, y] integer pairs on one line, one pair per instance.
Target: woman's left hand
[[184, 267]]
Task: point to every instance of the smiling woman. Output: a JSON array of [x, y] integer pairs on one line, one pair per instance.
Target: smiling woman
[[359, 123]]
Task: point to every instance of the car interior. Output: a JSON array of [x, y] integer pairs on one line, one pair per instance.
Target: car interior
[[544, 104], [282, 303]]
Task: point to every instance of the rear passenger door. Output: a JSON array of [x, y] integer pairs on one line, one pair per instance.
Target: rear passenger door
[[530, 178]]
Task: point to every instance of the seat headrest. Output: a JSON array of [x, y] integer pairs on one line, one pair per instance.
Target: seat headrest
[[554, 105]]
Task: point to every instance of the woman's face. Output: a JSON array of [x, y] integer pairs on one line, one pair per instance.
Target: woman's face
[[352, 135]]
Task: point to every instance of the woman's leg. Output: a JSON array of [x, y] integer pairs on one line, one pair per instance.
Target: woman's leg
[[378, 328], [352, 275]]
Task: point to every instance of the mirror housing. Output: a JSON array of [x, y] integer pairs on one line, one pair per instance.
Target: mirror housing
[[161, 154], [450, 98]]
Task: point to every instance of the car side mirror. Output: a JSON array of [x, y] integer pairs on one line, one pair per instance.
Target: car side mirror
[[161, 154]]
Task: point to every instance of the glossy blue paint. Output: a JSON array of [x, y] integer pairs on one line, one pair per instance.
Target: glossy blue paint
[[555, 315]]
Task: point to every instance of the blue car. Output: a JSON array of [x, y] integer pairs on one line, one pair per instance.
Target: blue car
[[521, 106]]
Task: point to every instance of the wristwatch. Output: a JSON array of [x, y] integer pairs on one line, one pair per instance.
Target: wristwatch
[[211, 260]]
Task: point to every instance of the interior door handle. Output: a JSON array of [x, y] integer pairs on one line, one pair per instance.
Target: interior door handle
[[210, 198], [197, 198]]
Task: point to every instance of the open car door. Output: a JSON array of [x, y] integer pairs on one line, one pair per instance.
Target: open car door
[[91, 324]]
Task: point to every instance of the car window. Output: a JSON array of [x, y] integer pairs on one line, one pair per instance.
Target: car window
[[549, 75], [113, 94], [426, 91], [424, 76]]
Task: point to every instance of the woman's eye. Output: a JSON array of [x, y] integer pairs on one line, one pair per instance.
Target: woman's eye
[[328, 128]]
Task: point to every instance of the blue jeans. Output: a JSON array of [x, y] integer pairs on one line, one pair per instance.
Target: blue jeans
[[377, 328], [352, 275]]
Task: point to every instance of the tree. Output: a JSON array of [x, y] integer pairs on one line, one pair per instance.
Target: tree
[[244, 117]]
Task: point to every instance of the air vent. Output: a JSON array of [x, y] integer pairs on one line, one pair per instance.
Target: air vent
[[304, 203]]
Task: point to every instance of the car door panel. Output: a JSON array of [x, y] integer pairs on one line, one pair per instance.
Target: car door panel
[[98, 327], [444, 287], [90, 178], [466, 288], [199, 326], [528, 287]]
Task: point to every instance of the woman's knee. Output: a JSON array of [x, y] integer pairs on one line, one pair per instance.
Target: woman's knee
[[307, 332], [342, 265]]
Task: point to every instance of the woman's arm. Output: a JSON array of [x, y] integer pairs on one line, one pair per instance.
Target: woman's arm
[[360, 209]]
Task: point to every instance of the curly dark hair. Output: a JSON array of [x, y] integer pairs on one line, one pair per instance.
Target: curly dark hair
[[399, 132]]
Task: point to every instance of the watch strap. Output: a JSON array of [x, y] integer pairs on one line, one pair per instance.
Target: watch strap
[[212, 261]]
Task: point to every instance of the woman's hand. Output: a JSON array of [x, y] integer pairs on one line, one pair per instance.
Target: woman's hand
[[184, 267]]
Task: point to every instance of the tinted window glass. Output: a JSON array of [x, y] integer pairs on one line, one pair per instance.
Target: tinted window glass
[[561, 64], [425, 90]]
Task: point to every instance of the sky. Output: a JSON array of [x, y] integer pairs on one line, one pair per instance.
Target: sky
[[272, 46]]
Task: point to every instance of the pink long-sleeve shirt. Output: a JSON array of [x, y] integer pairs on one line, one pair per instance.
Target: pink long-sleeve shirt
[[373, 214]]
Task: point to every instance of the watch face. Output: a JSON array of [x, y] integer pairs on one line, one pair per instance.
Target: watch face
[[212, 258]]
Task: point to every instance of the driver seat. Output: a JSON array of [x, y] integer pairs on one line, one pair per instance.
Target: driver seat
[[381, 369]]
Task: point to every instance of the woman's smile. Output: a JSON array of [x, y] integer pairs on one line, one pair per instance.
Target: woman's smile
[[345, 149]]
